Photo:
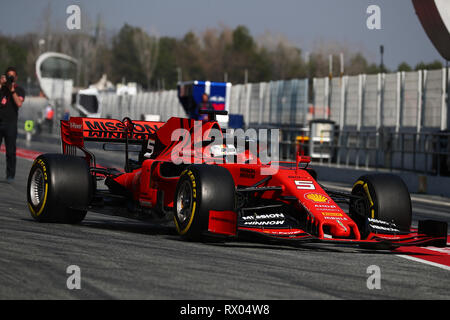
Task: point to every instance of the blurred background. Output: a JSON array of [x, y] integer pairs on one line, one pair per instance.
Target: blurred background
[[340, 91], [155, 43]]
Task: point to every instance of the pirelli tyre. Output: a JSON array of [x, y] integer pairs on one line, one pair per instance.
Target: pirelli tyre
[[201, 188], [385, 206], [59, 188]]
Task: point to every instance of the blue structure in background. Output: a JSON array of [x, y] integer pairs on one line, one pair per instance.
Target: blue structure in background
[[236, 121], [190, 95]]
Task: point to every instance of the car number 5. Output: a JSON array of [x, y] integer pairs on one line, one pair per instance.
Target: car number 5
[[305, 185]]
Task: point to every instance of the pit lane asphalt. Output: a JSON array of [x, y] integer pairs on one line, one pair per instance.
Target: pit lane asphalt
[[126, 259]]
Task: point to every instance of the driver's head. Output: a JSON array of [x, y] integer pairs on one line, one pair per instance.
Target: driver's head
[[11, 72]]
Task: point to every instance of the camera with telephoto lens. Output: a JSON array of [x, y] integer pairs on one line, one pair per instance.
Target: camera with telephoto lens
[[9, 80]]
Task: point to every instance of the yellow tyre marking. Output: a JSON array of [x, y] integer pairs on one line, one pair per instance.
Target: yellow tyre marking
[[31, 209], [358, 183], [182, 232], [366, 189], [194, 195], [41, 163], [43, 203]]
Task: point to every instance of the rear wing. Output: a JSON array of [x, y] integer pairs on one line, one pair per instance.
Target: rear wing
[[77, 130]]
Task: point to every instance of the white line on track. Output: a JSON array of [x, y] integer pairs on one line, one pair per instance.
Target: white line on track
[[434, 264]]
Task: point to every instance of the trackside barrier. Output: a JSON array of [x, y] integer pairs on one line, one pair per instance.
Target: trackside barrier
[[413, 100], [276, 102], [395, 121], [425, 153]]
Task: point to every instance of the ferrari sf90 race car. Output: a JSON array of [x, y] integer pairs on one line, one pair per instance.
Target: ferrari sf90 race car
[[211, 189]]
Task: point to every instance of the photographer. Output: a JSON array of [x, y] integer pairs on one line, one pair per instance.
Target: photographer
[[11, 99]]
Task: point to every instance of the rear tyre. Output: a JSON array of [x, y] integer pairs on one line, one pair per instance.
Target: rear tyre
[[386, 204], [59, 188], [201, 188]]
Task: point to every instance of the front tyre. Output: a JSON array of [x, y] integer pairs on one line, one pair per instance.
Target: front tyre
[[59, 188], [385, 205], [201, 188]]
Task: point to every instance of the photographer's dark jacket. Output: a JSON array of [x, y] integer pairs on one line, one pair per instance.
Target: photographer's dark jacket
[[8, 108]]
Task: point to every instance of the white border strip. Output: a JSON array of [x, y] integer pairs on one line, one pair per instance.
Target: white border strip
[[434, 264]]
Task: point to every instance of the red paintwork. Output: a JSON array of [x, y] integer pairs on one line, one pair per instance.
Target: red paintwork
[[325, 220], [222, 222]]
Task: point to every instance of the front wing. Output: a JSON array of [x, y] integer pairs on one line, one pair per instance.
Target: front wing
[[428, 233]]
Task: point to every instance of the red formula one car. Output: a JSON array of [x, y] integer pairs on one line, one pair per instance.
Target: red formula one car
[[207, 198]]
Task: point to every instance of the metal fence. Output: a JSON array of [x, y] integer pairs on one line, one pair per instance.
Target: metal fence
[[403, 101], [275, 103], [162, 103], [424, 153], [382, 121], [396, 121]]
